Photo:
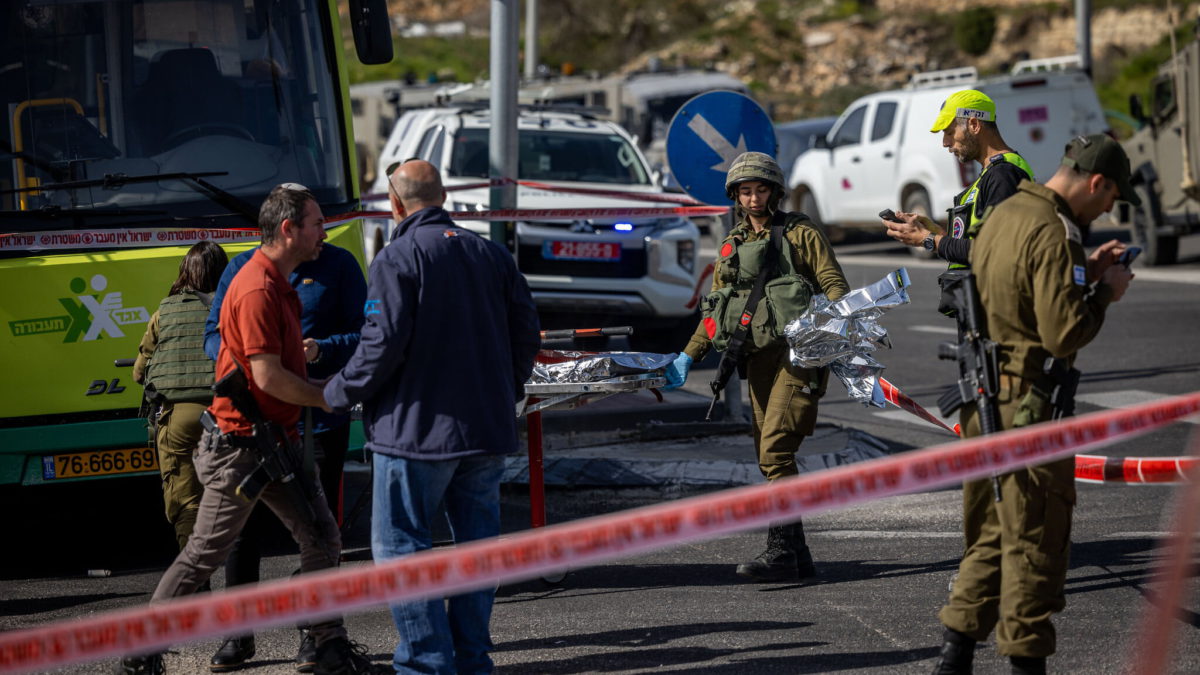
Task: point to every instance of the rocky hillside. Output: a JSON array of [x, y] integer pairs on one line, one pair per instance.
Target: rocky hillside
[[810, 57]]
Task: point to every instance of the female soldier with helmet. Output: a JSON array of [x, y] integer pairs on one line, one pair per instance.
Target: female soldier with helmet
[[784, 397]]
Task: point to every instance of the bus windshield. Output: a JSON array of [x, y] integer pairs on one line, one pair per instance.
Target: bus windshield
[[126, 90]]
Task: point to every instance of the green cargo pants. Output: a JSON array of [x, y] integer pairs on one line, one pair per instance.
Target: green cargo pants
[[178, 436], [784, 398], [1017, 550]]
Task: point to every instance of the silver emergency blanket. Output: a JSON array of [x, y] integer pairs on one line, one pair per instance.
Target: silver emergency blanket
[[594, 367], [843, 334]]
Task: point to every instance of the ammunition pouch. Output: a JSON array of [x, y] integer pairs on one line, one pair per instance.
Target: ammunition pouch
[[1034, 406], [948, 301]]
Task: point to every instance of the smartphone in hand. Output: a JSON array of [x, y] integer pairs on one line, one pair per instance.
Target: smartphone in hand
[[1129, 255], [888, 214]]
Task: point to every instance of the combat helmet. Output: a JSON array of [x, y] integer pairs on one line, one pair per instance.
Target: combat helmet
[[752, 166]]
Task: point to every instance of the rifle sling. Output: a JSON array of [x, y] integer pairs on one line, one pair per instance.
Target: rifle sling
[[760, 282]]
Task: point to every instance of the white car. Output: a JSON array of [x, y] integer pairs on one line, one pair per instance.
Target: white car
[[881, 155], [584, 272]]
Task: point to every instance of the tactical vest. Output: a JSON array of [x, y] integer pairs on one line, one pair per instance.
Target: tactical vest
[[179, 369], [964, 220], [785, 297]]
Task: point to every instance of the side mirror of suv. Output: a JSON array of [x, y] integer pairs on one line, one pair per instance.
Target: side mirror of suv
[[821, 142]]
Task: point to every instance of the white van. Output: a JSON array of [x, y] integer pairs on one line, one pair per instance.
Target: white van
[[881, 155]]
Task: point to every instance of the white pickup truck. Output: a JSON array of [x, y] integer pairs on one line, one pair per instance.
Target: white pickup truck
[[881, 155]]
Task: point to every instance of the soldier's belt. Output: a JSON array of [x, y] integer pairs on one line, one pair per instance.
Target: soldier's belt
[[1015, 383]]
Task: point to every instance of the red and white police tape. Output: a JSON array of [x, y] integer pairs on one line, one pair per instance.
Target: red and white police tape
[[901, 400], [1088, 468], [537, 552], [121, 237], [145, 237], [617, 194], [1134, 470]]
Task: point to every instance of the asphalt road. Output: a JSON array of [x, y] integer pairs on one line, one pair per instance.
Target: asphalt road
[[884, 566]]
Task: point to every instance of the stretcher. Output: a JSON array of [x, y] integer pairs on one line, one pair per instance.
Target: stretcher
[[567, 396]]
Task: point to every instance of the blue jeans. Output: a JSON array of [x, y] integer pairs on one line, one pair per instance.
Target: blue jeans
[[406, 497]]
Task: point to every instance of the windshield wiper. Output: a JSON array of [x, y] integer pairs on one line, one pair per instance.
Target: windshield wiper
[[116, 181], [76, 216]]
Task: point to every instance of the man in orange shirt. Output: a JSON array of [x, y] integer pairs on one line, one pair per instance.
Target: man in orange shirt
[[260, 333]]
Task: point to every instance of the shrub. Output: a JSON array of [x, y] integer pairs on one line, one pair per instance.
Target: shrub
[[974, 29]]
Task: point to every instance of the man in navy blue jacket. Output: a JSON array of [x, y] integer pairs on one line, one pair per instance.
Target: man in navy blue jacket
[[449, 341], [332, 291]]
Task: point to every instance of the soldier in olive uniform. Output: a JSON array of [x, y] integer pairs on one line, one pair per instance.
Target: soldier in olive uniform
[[1041, 298], [784, 397], [172, 365]]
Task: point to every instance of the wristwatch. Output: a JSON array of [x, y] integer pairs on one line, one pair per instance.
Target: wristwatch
[[929, 243]]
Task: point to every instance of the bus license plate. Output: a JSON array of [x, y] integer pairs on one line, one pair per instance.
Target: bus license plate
[[99, 463], [582, 250]]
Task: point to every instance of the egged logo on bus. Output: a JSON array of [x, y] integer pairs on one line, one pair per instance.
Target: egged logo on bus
[[89, 316]]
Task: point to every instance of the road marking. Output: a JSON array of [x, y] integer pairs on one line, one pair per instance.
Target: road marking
[[940, 330], [1139, 535], [1168, 274], [883, 534], [1125, 398], [890, 261], [1173, 275]]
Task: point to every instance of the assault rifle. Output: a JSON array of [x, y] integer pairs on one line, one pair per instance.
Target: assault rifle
[[978, 367], [277, 457]]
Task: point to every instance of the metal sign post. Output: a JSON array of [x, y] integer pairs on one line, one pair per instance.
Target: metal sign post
[[502, 135]]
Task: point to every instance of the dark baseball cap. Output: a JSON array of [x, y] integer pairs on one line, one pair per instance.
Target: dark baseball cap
[[1100, 153]]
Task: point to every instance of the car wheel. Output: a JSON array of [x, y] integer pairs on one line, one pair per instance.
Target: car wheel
[[1157, 249], [917, 201]]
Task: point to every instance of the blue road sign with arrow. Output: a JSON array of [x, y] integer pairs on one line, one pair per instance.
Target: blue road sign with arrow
[[705, 136]]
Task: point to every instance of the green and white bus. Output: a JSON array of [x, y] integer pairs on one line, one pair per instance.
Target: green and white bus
[[131, 129]]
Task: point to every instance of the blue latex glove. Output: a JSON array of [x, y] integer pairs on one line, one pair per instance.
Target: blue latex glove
[[677, 372]]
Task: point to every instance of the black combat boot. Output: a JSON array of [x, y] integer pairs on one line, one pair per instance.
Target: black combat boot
[[149, 664], [958, 652], [777, 563], [1028, 665], [794, 533], [340, 656], [233, 654], [306, 655]]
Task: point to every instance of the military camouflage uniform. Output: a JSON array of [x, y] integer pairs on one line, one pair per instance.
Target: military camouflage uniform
[[784, 397]]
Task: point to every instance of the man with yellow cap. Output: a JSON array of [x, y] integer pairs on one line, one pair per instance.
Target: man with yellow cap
[[967, 121]]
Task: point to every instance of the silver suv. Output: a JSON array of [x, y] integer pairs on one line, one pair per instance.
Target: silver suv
[[584, 272]]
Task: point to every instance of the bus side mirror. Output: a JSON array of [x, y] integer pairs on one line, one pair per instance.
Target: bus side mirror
[[372, 31], [1136, 111]]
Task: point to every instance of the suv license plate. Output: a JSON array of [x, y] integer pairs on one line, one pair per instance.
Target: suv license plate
[[581, 250], [99, 463]]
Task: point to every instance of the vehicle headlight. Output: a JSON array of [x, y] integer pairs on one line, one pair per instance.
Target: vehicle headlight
[[685, 253]]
